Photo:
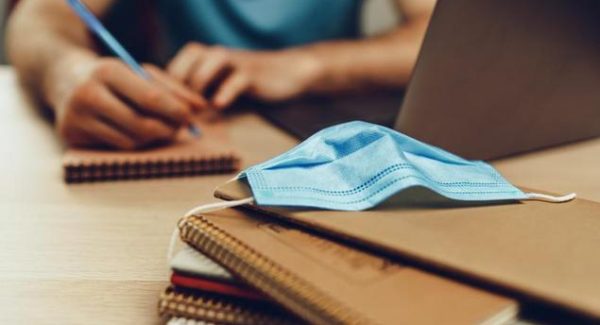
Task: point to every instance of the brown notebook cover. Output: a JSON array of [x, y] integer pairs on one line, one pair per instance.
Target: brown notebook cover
[[207, 154], [325, 282], [543, 250], [220, 309]]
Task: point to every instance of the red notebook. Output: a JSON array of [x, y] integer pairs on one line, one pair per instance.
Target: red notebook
[[194, 271], [213, 286]]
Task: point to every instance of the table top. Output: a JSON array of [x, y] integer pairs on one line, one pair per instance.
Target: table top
[[96, 253], [91, 253]]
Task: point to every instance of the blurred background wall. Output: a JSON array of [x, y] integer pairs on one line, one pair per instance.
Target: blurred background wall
[[378, 15]]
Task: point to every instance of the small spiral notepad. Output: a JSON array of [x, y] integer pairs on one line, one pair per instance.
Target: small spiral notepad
[[187, 156]]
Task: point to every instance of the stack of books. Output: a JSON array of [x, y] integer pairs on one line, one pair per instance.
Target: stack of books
[[245, 269], [203, 291]]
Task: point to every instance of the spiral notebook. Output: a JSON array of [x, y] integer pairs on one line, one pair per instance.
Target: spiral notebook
[[204, 307], [209, 153], [188, 321], [325, 282]]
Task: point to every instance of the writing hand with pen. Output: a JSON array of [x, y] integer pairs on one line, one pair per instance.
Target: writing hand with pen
[[118, 102], [103, 102]]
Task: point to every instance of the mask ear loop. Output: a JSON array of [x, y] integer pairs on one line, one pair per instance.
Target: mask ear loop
[[172, 244], [550, 198], [204, 208], [211, 207]]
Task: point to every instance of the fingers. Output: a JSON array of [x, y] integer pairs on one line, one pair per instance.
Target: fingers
[[199, 66], [77, 137], [176, 87], [94, 115], [150, 98], [209, 70], [142, 129], [203, 69], [232, 88], [185, 60], [103, 133]]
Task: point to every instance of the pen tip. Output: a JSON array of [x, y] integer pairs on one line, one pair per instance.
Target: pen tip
[[194, 130]]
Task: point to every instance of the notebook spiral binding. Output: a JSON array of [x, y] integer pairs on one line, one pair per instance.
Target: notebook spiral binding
[[95, 171], [216, 310], [299, 296]]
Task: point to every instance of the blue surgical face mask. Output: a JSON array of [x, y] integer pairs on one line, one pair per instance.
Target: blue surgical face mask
[[357, 165]]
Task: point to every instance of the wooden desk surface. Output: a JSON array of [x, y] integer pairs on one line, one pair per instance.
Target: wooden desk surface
[[91, 253], [95, 253]]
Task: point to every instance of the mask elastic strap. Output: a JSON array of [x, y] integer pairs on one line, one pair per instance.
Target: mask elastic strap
[[211, 207], [173, 242], [550, 198], [204, 208]]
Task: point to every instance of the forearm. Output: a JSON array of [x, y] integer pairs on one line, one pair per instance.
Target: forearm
[[42, 38], [382, 61]]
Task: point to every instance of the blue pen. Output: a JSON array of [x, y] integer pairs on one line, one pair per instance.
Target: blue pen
[[96, 26]]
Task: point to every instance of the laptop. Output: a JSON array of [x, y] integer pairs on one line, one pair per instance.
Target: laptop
[[494, 78], [304, 117]]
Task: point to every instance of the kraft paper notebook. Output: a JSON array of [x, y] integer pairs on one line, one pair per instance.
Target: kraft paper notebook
[[186, 321], [221, 310], [209, 153], [324, 282], [541, 250]]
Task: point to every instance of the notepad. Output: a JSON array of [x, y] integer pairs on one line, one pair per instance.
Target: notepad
[[209, 153]]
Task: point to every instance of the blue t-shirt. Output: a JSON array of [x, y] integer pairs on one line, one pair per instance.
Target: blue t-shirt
[[259, 24]]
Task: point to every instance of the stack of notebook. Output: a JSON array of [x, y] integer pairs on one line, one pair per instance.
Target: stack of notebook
[[242, 269], [203, 291]]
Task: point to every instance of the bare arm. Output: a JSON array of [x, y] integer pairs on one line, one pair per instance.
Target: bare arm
[[42, 37], [97, 101], [382, 61]]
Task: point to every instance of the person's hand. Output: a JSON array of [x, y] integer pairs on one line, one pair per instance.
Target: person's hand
[[102, 102], [225, 74]]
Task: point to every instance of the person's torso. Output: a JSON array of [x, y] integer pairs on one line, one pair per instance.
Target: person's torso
[[259, 24]]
